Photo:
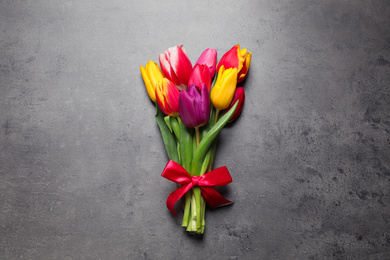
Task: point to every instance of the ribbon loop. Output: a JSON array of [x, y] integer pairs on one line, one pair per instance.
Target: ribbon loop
[[217, 177]]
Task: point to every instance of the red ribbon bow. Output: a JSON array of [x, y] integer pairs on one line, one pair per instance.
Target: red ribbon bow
[[217, 177]]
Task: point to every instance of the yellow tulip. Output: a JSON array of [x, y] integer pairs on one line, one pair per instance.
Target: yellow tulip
[[151, 75], [223, 91]]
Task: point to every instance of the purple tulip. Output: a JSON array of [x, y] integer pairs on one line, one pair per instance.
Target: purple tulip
[[194, 106]]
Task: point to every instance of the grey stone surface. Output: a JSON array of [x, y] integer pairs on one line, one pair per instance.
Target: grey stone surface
[[81, 154]]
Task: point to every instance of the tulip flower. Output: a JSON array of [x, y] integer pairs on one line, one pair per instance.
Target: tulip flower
[[236, 58], [199, 75], [167, 96], [194, 106], [239, 95], [176, 66], [151, 75], [208, 58], [222, 93]]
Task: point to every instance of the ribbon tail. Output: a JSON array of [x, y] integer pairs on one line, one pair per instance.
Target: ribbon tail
[[176, 195], [213, 198]]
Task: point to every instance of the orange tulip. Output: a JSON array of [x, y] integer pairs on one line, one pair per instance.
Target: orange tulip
[[167, 97]]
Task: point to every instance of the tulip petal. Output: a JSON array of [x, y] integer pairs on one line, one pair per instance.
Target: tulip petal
[[167, 96], [167, 69], [197, 103], [205, 105], [199, 75], [244, 71], [160, 98], [194, 104], [151, 75], [187, 108], [154, 72], [208, 58], [241, 54], [230, 59], [239, 95], [172, 97], [223, 90], [149, 88], [180, 64]]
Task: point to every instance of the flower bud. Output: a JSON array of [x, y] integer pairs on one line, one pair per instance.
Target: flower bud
[[222, 93], [194, 106], [200, 74], [208, 58], [151, 75], [239, 95], [236, 58], [176, 66], [167, 96]]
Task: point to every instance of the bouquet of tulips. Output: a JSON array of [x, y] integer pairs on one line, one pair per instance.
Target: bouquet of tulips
[[193, 105]]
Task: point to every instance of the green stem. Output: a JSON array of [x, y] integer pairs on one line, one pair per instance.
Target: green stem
[[187, 208], [197, 135], [197, 208], [213, 147], [186, 152], [203, 215], [196, 192], [196, 221], [197, 196], [192, 225], [206, 142], [216, 117]]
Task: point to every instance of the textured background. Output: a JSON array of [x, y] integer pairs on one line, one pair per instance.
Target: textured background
[[81, 154]]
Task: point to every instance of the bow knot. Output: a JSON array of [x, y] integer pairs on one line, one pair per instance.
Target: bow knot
[[195, 181], [217, 177]]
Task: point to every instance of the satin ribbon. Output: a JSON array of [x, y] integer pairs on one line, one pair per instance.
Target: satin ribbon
[[217, 177]]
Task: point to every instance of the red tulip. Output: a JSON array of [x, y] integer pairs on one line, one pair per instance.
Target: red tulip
[[239, 94], [236, 58], [200, 74], [208, 58], [176, 66], [167, 97]]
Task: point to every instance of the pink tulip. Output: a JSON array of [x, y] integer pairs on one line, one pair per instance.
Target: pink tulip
[[208, 58], [200, 74], [176, 66]]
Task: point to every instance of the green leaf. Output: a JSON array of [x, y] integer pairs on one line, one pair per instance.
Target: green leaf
[[167, 121], [186, 149], [168, 137], [186, 154], [212, 150], [173, 121], [206, 162]]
